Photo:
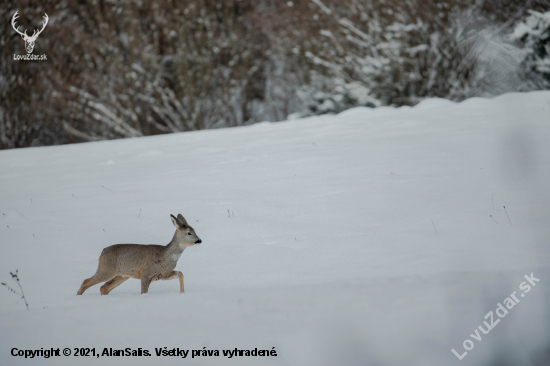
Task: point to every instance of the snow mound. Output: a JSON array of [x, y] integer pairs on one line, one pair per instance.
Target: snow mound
[[375, 236]]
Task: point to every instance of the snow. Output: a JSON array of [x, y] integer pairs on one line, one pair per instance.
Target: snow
[[536, 24], [375, 236]]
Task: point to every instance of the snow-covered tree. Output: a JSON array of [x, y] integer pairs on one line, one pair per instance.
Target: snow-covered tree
[[136, 67], [534, 32]]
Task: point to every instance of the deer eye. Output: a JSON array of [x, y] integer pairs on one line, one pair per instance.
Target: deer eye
[[188, 233]]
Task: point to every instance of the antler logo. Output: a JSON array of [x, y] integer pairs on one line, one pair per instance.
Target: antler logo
[[29, 41]]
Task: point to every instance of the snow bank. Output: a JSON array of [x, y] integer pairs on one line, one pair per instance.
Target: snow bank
[[376, 236]]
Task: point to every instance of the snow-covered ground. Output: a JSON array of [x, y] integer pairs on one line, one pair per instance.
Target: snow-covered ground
[[373, 237]]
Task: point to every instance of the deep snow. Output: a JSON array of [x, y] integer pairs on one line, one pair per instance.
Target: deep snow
[[355, 239]]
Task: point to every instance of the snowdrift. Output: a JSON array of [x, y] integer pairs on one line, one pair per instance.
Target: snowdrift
[[377, 236]]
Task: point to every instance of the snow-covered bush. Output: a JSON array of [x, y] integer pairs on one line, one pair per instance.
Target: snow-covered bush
[[534, 32], [131, 68], [315, 101], [134, 68], [400, 52]]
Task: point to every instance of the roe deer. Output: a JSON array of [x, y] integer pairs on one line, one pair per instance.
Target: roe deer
[[149, 263]]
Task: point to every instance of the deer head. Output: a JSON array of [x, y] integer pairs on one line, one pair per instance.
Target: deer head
[[29, 41]]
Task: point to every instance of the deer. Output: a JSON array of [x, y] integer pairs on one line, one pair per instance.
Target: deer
[[147, 263], [29, 41]]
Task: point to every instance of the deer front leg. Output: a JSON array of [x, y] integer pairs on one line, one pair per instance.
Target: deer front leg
[[180, 275], [145, 282], [170, 276]]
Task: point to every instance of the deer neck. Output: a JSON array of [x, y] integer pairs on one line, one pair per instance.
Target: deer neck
[[174, 248]]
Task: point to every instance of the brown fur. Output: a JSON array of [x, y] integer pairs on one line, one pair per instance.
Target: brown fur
[[147, 263]]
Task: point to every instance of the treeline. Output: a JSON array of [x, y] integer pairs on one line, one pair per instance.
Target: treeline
[[131, 68]]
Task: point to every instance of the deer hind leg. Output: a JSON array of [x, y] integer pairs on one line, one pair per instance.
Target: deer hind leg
[[109, 286], [94, 280], [172, 275]]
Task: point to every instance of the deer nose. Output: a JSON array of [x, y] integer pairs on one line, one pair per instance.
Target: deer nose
[[198, 241]]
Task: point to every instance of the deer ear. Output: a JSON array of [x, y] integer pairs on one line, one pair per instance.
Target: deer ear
[[182, 220], [175, 221]]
